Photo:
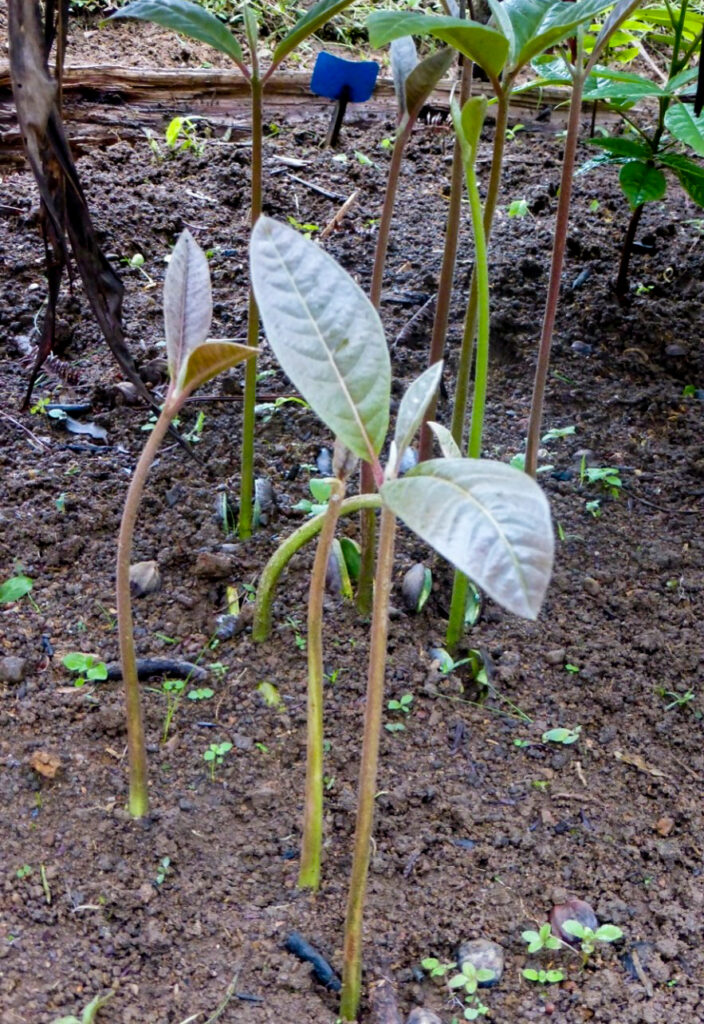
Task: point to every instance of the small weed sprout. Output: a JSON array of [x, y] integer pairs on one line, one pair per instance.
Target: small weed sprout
[[589, 938], [518, 208], [607, 476], [89, 668], [469, 978], [180, 136], [542, 939], [173, 689], [24, 872], [215, 755], [15, 589], [435, 968], [403, 704], [679, 700], [542, 977], [162, 871], [564, 736]]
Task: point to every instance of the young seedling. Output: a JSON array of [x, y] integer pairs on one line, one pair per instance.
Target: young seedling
[[607, 476], [680, 700], [89, 668], [543, 977], [589, 938], [469, 978], [542, 939], [403, 705], [215, 755], [192, 361], [162, 871], [329, 341], [196, 21]]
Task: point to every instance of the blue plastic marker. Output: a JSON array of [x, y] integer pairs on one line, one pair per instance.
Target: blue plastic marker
[[345, 81]]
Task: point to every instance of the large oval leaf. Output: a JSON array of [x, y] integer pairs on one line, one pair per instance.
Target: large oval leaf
[[686, 126], [325, 333], [190, 19], [532, 26], [490, 521], [689, 173], [188, 304], [483, 45], [641, 183]]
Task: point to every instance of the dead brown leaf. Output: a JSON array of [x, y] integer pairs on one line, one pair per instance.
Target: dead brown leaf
[[45, 763]]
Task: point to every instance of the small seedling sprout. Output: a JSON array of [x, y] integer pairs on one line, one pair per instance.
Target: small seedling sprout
[[564, 736], [542, 939], [589, 938], [215, 755], [542, 977]]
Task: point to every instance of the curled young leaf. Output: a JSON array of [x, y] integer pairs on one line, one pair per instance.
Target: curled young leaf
[[188, 304], [414, 403]]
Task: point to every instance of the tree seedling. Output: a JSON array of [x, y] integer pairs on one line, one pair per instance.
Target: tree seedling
[[607, 476], [89, 668], [403, 704], [541, 977], [215, 755], [590, 937], [192, 360], [330, 342], [542, 939]]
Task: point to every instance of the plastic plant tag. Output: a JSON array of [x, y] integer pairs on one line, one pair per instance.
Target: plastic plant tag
[[333, 75]]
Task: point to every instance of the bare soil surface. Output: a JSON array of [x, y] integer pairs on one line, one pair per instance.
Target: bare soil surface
[[475, 836]]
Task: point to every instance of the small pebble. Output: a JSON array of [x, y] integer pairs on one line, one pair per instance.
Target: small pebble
[[556, 657], [213, 566], [412, 586], [572, 910], [591, 586], [483, 954], [581, 348], [12, 669], [419, 1015], [145, 578]]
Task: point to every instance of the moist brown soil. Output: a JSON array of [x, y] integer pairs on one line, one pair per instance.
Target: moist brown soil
[[475, 836]]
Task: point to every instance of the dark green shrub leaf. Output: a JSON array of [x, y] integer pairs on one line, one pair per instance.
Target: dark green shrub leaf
[[533, 26], [689, 174], [683, 123], [642, 183]]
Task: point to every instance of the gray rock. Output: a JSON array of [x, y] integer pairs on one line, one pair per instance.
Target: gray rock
[[483, 954], [556, 657], [145, 578], [419, 1015], [12, 669]]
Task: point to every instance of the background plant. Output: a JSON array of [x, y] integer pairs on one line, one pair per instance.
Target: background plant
[[194, 21]]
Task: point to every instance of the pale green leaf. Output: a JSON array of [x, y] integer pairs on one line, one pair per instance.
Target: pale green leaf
[[689, 174], [415, 401], [14, 588], [325, 333], [187, 18], [188, 305], [448, 446], [490, 521]]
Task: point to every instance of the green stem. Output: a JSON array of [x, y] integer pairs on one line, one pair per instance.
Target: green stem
[[250, 373], [458, 604], [138, 793], [447, 270], [492, 198], [367, 526], [352, 968], [309, 873], [268, 579]]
